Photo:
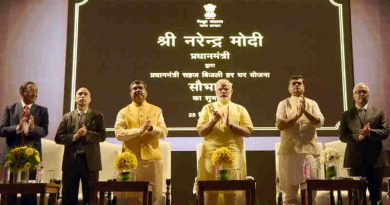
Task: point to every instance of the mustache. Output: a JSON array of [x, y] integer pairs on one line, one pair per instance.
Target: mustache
[[139, 93]]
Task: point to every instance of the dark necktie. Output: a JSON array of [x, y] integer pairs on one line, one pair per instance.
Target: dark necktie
[[79, 148], [81, 119], [362, 114]]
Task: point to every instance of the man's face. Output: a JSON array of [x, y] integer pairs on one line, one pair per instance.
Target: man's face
[[223, 91], [83, 97], [138, 93], [296, 87], [361, 95], [29, 94]]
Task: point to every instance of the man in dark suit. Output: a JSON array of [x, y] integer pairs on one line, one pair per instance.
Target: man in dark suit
[[363, 127], [80, 131], [25, 123]]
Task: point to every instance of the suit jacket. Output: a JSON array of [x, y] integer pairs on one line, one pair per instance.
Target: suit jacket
[[94, 122], [11, 118], [370, 150]]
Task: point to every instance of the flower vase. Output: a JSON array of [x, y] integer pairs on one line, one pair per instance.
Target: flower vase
[[222, 173], [331, 171], [19, 176], [15, 176], [24, 175], [126, 175], [4, 175]]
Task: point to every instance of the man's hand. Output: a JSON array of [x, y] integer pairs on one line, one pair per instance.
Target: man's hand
[[121, 132], [31, 124], [363, 133], [302, 103], [80, 133], [217, 115], [145, 126], [366, 130], [21, 124], [299, 112]]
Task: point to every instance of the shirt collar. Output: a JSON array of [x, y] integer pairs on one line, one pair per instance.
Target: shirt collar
[[24, 104], [295, 97], [138, 106], [364, 107], [80, 112]]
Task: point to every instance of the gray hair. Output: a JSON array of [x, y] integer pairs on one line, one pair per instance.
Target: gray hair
[[360, 85], [224, 81]]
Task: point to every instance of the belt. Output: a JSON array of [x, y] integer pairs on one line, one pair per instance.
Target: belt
[[79, 154]]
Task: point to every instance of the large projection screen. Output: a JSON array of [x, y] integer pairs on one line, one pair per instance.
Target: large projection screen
[[180, 48]]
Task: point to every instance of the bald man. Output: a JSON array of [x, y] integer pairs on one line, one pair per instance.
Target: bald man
[[80, 131], [363, 127]]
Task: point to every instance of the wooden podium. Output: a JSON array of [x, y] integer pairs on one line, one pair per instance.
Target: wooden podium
[[31, 188], [115, 186], [355, 186]]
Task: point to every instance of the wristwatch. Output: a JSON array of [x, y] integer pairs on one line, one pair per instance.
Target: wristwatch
[[150, 128]]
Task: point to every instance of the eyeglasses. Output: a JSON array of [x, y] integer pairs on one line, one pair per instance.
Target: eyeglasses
[[138, 88], [296, 83], [361, 92], [29, 90]]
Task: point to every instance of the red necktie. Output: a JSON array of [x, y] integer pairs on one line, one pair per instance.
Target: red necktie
[[26, 114]]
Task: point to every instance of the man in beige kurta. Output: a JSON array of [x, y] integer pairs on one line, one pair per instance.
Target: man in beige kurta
[[297, 118], [223, 124], [140, 125]]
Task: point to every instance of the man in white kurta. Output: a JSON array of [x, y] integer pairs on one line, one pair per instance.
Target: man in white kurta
[[139, 126], [297, 118], [223, 124]]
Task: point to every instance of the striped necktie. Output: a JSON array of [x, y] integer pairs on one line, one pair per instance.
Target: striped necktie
[[26, 112], [362, 114]]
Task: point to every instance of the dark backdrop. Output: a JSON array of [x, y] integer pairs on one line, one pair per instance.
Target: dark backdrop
[[33, 44]]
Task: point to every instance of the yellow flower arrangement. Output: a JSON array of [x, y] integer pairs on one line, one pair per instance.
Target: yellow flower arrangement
[[222, 155], [37, 158], [29, 152], [125, 161], [27, 165], [23, 158]]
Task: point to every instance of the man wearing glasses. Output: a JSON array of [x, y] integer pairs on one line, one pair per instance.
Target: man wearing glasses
[[297, 118], [25, 123], [363, 127]]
